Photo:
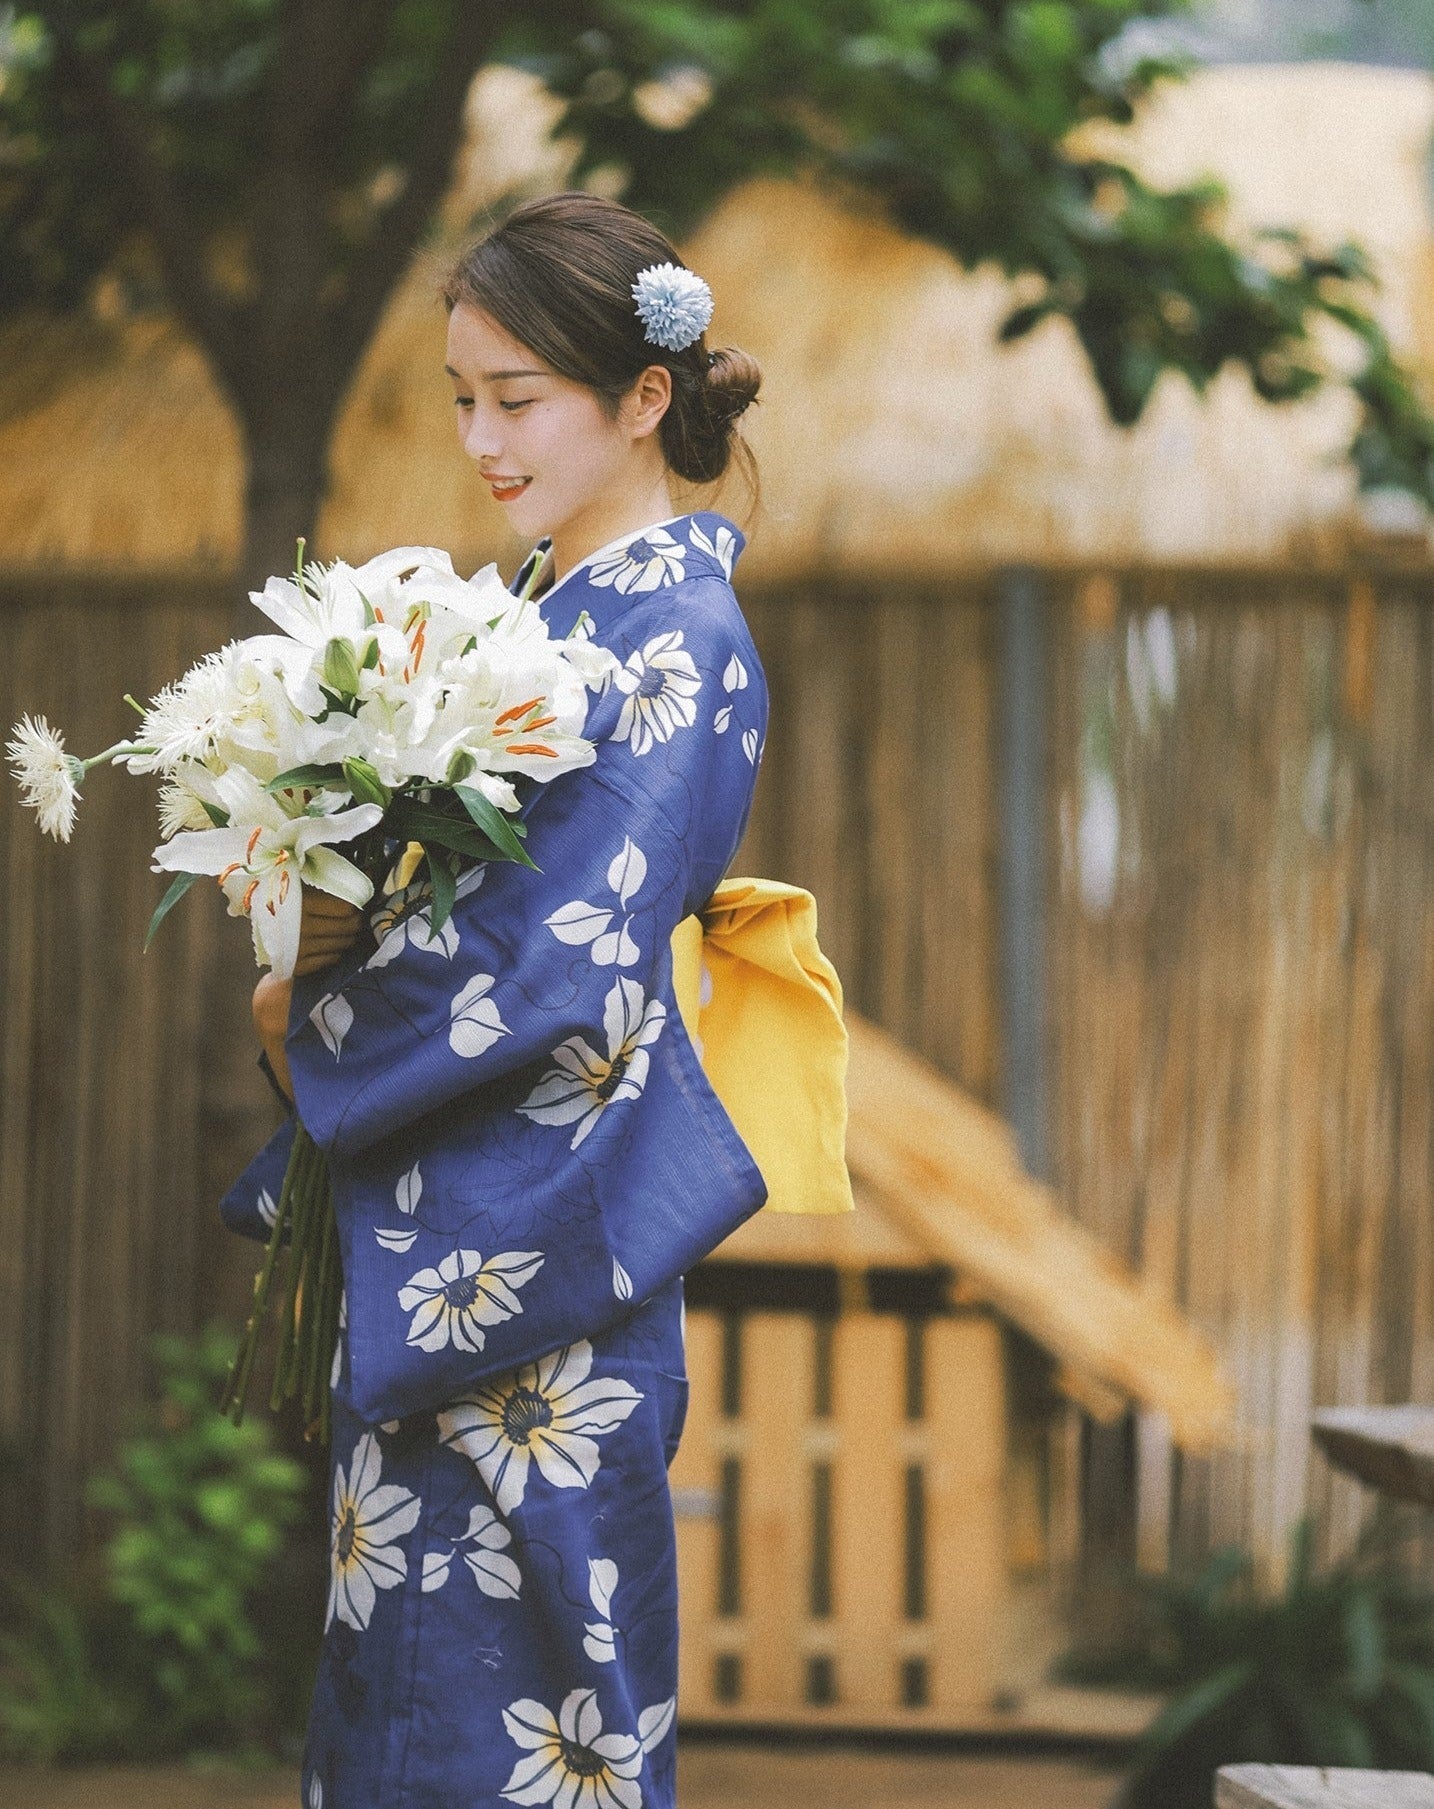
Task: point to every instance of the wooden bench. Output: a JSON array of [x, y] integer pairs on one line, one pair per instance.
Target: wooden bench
[[1311, 1787], [1389, 1448]]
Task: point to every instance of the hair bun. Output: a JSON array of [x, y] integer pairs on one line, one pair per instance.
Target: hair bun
[[733, 380]]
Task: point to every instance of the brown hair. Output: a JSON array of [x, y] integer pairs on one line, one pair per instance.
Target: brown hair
[[557, 276]]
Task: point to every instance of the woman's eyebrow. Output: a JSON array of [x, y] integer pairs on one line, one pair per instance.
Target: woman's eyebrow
[[494, 376]]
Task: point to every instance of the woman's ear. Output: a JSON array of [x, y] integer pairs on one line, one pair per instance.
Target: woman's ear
[[648, 400]]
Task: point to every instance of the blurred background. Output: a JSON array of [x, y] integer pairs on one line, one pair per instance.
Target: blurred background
[[1091, 573]]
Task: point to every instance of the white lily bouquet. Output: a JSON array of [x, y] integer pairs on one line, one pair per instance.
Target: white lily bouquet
[[389, 722]]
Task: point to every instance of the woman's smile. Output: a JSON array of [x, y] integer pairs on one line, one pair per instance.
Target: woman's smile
[[504, 489]]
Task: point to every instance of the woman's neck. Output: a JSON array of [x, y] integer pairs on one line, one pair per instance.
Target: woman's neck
[[607, 520]]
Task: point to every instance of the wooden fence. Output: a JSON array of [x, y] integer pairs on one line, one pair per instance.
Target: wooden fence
[[1239, 882], [841, 1544]]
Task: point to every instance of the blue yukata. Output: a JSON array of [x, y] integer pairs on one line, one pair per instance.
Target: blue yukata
[[525, 1157]]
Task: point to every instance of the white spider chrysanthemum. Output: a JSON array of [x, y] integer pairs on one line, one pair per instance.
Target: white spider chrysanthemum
[[673, 304], [48, 775], [182, 801]]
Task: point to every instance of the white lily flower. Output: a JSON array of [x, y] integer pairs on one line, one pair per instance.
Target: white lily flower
[[47, 774], [264, 859]]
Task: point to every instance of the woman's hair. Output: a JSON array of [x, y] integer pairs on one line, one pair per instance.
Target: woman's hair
[[557, 276]]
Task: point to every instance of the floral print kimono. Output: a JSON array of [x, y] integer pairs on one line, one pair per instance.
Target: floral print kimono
[[525, 1157]]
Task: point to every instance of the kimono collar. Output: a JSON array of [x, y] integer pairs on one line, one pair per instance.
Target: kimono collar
[[603, 582]]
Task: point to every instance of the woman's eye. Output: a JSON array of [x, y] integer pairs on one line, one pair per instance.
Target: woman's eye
[[510, 406], [463, 401]]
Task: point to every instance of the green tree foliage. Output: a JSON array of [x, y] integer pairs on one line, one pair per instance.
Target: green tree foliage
[[167, 1649], [270, 166]]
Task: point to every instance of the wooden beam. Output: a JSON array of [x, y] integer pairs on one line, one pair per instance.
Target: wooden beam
[[949, 1174], [1304, 1787]]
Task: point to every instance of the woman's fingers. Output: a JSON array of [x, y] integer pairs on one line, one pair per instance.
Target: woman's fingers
[[311, 960], [328, 928]]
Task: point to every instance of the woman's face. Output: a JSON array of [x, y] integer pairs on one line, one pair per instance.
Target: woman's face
[[549, 453]]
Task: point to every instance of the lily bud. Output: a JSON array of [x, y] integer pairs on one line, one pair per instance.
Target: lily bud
[[365, 784], [340, 668]]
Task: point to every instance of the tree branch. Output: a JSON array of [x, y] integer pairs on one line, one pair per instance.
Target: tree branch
[[399, 228], [161, 202]]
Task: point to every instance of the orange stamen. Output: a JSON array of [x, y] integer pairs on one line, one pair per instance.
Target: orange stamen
[[248, 898], [517, 710], [253, 843], [233, 867], [538, 722], [533, 747]]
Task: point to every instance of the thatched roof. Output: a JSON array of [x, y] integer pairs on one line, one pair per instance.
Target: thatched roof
[[893, 433], [938, 1180]]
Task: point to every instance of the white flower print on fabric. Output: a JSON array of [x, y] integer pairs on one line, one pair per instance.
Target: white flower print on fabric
[[569, 1760], [749, 744], [367, 1518], [653, 559], [406, 1195], [621, 1281], [333, 1018], [653, 1723], [660, 684], [267, 1207], [581, 922], [583, 1084], [723, 548], [452, 1303], [599, 1636], [405, 920], [486, 1539], [734, 678], [546, 1412], [316, 1792], [475, 1023]]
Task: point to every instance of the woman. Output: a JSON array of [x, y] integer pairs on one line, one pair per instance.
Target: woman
[[525, 1152]]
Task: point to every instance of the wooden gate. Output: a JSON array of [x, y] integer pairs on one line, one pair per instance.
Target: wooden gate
[[839, 1517]]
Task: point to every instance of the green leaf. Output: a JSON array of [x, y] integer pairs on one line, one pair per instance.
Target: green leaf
[[445, 891], [178, 887], [494, 824], [1191, 1709], [300, 778]]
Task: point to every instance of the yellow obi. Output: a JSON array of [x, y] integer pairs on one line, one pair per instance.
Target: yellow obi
[[763, 1007]]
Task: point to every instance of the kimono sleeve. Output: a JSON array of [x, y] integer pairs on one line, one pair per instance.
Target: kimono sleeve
[[559, 966], [251, 1204]]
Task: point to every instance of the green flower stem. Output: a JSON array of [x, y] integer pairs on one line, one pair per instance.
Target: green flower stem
[[308, 1309], [302, 1200], [237, 1386], [325, 1304], [114, 753]]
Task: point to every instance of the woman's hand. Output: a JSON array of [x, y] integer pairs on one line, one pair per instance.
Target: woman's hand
[[330, 929], [271, 1020]]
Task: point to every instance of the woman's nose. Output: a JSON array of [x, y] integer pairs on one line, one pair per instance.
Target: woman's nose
[[481, 436]]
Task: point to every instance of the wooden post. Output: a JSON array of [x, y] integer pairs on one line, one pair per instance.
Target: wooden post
[[1304, 1787], [1022, 710]]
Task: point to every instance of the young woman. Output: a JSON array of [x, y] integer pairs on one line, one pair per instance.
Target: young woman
[[524, 1150]]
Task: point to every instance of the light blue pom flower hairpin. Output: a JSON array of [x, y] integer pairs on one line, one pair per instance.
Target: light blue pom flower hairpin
[[673, 304]]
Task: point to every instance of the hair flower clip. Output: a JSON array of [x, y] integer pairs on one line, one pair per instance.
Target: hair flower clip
[[673, 304]]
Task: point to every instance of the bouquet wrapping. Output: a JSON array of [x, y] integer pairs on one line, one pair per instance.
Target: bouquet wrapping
[[399, 716]]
